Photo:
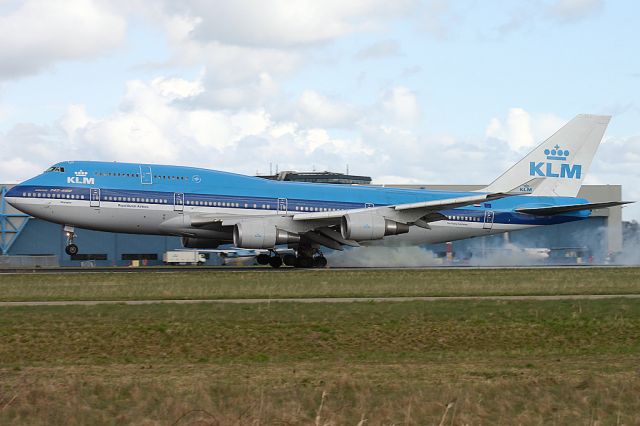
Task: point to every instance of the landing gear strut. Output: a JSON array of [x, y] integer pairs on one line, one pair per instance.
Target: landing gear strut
[[71, 249]]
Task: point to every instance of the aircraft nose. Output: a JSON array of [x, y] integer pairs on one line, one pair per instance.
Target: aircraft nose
[[14, 195]]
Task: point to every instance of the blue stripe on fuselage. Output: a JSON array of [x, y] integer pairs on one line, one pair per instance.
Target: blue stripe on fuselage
[[202, 187]]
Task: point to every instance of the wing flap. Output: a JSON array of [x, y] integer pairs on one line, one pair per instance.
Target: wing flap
[[321, 239], [336, 236]]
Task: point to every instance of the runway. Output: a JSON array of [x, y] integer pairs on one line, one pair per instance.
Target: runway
[[323, 300], [267, 269]]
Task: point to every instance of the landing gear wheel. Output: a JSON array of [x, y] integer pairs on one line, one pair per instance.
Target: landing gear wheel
[[275, 261], [319, 262], [304, 262], [263, 259], [71, 249], [289, 259]]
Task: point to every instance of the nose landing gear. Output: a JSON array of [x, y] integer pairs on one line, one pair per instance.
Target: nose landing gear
[[71, 249]]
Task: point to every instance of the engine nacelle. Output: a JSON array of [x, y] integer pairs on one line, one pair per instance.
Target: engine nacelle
[[200, 243], [260, 235], [369, 226]]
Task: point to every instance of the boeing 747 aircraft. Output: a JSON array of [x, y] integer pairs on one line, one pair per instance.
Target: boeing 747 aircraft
[[208, 208]]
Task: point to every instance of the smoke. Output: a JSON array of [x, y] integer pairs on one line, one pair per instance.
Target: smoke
[[631, 244], [628, 257], [510, 254], [384, 257], [564, 245]]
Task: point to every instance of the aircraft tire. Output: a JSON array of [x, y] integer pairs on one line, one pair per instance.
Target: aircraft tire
[[71, 249], [304, 262], [320, 262], [263, 259], [275, 261], [289, 259]]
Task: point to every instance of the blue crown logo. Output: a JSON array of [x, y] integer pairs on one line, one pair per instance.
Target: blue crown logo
[[556, 153]]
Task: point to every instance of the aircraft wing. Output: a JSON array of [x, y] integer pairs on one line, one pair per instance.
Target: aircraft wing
[[400, 212], [323, 228], [405, 212], [553, 210], [410, 212]]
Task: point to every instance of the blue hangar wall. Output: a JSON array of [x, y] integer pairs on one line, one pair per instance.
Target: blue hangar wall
[[105, 248]]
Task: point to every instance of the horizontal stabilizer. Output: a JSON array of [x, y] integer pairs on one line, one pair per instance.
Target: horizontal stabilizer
[[552, 210]]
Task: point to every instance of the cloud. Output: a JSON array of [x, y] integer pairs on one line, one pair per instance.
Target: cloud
[[38, 34], [574, 10], [438, 18], [247, 48], [402, 106], [152, 125], [522, 130], [381, 49], [525, 16], [280, 23], [316, 110]]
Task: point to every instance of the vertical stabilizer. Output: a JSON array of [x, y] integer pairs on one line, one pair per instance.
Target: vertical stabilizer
[[562, 161]]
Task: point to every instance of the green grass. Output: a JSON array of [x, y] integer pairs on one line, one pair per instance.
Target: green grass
[[219, 284], [380, 332], [494, 362]]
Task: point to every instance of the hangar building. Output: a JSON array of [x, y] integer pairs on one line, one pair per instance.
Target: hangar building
[[29, 241]]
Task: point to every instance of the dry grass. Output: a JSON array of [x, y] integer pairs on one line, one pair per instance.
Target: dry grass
[[218, 283], [549, 392]]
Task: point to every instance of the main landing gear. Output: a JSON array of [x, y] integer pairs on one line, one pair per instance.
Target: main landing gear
[[272, 259], [301, 260], [71, 249]]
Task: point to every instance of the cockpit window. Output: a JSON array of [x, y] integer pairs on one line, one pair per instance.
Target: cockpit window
[[55, 169]]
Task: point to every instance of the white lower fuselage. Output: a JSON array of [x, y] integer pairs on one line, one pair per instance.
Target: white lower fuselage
[[166, 219]]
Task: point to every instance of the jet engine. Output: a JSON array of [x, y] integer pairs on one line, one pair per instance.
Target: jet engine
[[260, 235], [369, 226], [200, 243]]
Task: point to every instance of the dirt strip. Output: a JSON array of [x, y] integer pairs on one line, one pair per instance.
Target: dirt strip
[[324, 299]]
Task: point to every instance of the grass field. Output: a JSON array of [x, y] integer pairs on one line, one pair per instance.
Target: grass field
[[220, 284], [367, 363]]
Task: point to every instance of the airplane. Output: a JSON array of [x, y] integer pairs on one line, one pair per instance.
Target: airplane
[[209, 208]]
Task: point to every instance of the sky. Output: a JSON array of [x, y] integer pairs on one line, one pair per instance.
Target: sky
[[407, 91]]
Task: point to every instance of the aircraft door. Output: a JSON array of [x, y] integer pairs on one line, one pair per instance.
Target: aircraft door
[[488, 219], [282, 206], [178, 201], [146, 177], [94, 197]]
